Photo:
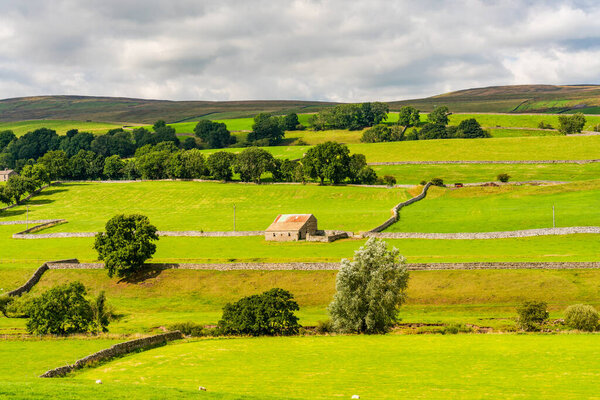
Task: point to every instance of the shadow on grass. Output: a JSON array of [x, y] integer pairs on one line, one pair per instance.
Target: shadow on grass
[[149, 272], [11, 213]]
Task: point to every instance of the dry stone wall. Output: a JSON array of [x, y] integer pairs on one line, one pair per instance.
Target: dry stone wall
[[396, 210], [487, 162], [115, 351], [486, 235]]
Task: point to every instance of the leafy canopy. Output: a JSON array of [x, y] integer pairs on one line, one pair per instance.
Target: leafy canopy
[[369, 289], [126, 244]]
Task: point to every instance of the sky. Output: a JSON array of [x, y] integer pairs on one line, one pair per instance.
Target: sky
[[338, 50]]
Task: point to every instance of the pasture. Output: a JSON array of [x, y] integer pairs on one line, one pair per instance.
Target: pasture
[[468, 173], [505, 208], [60, 126], [378, 367], [479, 297], [206, 206]]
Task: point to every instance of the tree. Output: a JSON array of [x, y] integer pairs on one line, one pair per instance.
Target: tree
[[114, 167], [215, 134], [582, 317], [126, 244], [102, 312], [85, 165], [432, 131], [18, 186], [569, 124], [327, 160], [56, 163], [38, 173], [252, 163], [470, 128], [355, 166], [439, 115], [269, 313], [532, 315], [61, 310], [164, 133], [6, 137], [5, 196], [369, 289], [290, 122], [266, 127], [408, 116], [220, 164], [194, 164], [154, 165]]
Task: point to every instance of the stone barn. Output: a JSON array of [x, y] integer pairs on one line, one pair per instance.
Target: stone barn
[[290, 227], [6, 174]]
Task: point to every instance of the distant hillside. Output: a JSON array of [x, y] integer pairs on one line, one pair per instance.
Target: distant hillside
[[123, 110], [515, 99], [494, 99]]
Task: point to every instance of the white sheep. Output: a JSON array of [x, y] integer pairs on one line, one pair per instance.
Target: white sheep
[[355, 396], [99, 382], [202, 388]]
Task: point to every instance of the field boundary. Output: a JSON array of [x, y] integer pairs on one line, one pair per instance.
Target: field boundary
[[396, 210], [35, 278], [486, 235], [485, 162], [115, 351]]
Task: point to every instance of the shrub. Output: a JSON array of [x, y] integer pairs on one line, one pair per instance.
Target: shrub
[[389, 180], [61, 310], [568, 124], [423, 183], [532, 315], [324, 327], [301, 142], [437, 182], [597, 128], [454, 329], [190, 329], [269, 313], [369, 289], [18, 307], [503, 177], [5, 301], [543, 125], [582, 316]]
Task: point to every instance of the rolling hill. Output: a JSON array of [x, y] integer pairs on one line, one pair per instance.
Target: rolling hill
[[495, 99]]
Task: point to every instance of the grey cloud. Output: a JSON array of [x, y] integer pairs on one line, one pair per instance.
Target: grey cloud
[[303, 49]]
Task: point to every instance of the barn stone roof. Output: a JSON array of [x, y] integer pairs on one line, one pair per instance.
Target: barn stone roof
[[289, 222], [6, 172]]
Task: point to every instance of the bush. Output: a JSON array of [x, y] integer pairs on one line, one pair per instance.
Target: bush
[[18, 307], [568, 124], [324, 327], [190, 329], [437, 182], [389, 180], [503, 177], [543, 125], [582, 317], [61, 310], [269, 313], [532, 315], [423, 183], [5, 301]]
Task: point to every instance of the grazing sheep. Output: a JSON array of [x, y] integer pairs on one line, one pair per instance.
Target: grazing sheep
[[355, 396], [202, 388], [99, 382]]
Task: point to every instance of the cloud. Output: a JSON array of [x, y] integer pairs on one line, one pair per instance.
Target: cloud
[[301, 49]]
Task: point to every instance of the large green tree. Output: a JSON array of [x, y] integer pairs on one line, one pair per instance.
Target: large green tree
[[266, 127], [252, 163], [329, 160], [61, 310], [439, 115], [220, 165], [369, 289], [215, 134], [126, 244], [408, 117]]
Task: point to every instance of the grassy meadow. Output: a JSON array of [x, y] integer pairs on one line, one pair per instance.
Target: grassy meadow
[[504, 208], [388, 367], [209, 206], [468, 173], [60, 126]]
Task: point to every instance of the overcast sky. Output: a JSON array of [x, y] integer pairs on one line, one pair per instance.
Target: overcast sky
[[338, 50]]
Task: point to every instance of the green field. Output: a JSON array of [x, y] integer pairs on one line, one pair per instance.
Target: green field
[[378, 367], [519, 120], [487, 209], [209, 206], [467, 173], [493, 149], [160, 298], [60, 126]]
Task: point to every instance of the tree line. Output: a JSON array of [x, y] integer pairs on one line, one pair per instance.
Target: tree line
[[326, 162]]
